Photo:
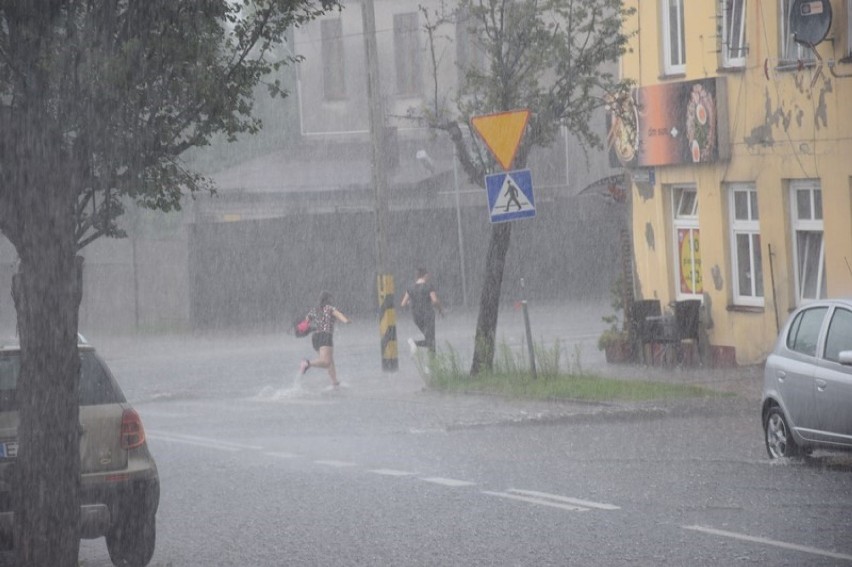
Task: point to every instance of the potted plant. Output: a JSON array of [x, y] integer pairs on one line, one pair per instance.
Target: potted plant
[[615, 341]]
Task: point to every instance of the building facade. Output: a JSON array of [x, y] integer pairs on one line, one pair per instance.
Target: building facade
[[737, 141]]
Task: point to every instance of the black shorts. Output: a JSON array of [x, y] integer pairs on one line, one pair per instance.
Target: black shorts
[[321, 340]]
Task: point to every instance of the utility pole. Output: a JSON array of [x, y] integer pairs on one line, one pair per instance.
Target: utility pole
[[387, 318]]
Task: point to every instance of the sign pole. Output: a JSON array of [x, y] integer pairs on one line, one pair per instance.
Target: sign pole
[[459, 223], [387, 317]]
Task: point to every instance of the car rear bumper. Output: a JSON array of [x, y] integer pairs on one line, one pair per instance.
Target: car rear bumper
[[101, 506], [95, 520]]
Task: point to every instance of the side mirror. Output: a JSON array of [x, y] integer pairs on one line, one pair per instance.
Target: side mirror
[[845, 357]]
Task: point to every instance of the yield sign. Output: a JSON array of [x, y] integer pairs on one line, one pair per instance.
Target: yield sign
[[502, 132]]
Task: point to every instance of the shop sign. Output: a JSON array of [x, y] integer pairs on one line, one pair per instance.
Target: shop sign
[[669, 124]]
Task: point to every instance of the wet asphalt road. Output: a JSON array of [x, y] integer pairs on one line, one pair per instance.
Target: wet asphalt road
[[261, 467]]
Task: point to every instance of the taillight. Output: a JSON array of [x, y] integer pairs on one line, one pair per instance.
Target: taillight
[[132, 432]]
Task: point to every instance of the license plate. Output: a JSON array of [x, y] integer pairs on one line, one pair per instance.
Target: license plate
[[9, 450]]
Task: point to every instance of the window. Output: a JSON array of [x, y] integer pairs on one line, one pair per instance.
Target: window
[[804, 332], [790, 51], [674, 50], [839, 337], [848, 28], [333, 63], [733, 33], [745, 246], [406, 41], [687, 253], [808, 245], [95, 385], [469, 52]]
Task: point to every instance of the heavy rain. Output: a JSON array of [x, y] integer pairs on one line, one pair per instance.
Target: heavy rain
[[210, 434]]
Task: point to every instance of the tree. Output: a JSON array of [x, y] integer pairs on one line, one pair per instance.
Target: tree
[[549, 56], [98, 100]]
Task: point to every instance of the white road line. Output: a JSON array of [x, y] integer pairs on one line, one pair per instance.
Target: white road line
[[338, 464], [451, 482], [781, 544], [538, 501], [188, 438], [195, 443], [392, 472], [567, 500], [281, 455]]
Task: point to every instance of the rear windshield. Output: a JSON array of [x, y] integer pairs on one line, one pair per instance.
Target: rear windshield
[[96, 386]]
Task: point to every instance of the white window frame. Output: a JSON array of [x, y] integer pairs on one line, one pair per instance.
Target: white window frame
[[789, 51], [685, 218], [733, 32], [670, 65], [813, 224], [751, 294]]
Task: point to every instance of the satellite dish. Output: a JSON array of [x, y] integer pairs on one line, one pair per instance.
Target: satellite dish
[[810, 20]]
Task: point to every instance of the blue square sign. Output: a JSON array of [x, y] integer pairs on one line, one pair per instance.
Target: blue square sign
[[510, 195]]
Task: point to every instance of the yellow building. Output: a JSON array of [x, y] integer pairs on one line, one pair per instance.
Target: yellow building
[[738, 139]]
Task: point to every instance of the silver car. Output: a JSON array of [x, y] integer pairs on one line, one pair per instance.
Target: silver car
[[807, 382], [119, 485]]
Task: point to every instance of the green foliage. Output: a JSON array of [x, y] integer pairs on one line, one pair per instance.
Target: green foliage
[[554, 57], [548, 360], [616, 332], [511, 377], [113, 94]]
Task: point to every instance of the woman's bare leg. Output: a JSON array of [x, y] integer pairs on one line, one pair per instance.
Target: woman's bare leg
[[326, 360], [332, 373]]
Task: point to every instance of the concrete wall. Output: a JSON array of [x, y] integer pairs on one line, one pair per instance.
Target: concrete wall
[[266, 272], [125, 286]]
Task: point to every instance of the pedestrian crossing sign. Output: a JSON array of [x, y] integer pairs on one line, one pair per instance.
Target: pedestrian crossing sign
[[510, 195]]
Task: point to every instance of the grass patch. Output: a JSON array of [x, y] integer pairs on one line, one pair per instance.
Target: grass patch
[[512, 378]]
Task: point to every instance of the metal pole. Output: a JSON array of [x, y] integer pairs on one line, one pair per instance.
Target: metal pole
[[387, 319], [459, 223], [774, 297], [530, 348]]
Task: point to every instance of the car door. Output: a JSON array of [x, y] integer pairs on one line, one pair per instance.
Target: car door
[[794, 369], [833, 381]]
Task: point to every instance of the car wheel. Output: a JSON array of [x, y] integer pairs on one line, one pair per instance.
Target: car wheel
[[131, 541], [779, 439]]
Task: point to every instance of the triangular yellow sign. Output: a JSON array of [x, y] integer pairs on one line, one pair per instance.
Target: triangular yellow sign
[[502, 132]]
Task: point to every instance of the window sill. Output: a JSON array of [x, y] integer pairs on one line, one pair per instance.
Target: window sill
[[746, 309], [669, 77], [732, 69], [795, 65]]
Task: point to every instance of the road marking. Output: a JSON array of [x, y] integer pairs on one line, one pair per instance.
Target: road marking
[[781, 544], [281, 455], [338, 464], [392, 472], [202, 441], [538, 501], [565, 499], [451, 482]]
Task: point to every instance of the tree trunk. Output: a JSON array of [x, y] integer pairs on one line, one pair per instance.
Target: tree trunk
[[47, 291], [489, 302]]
